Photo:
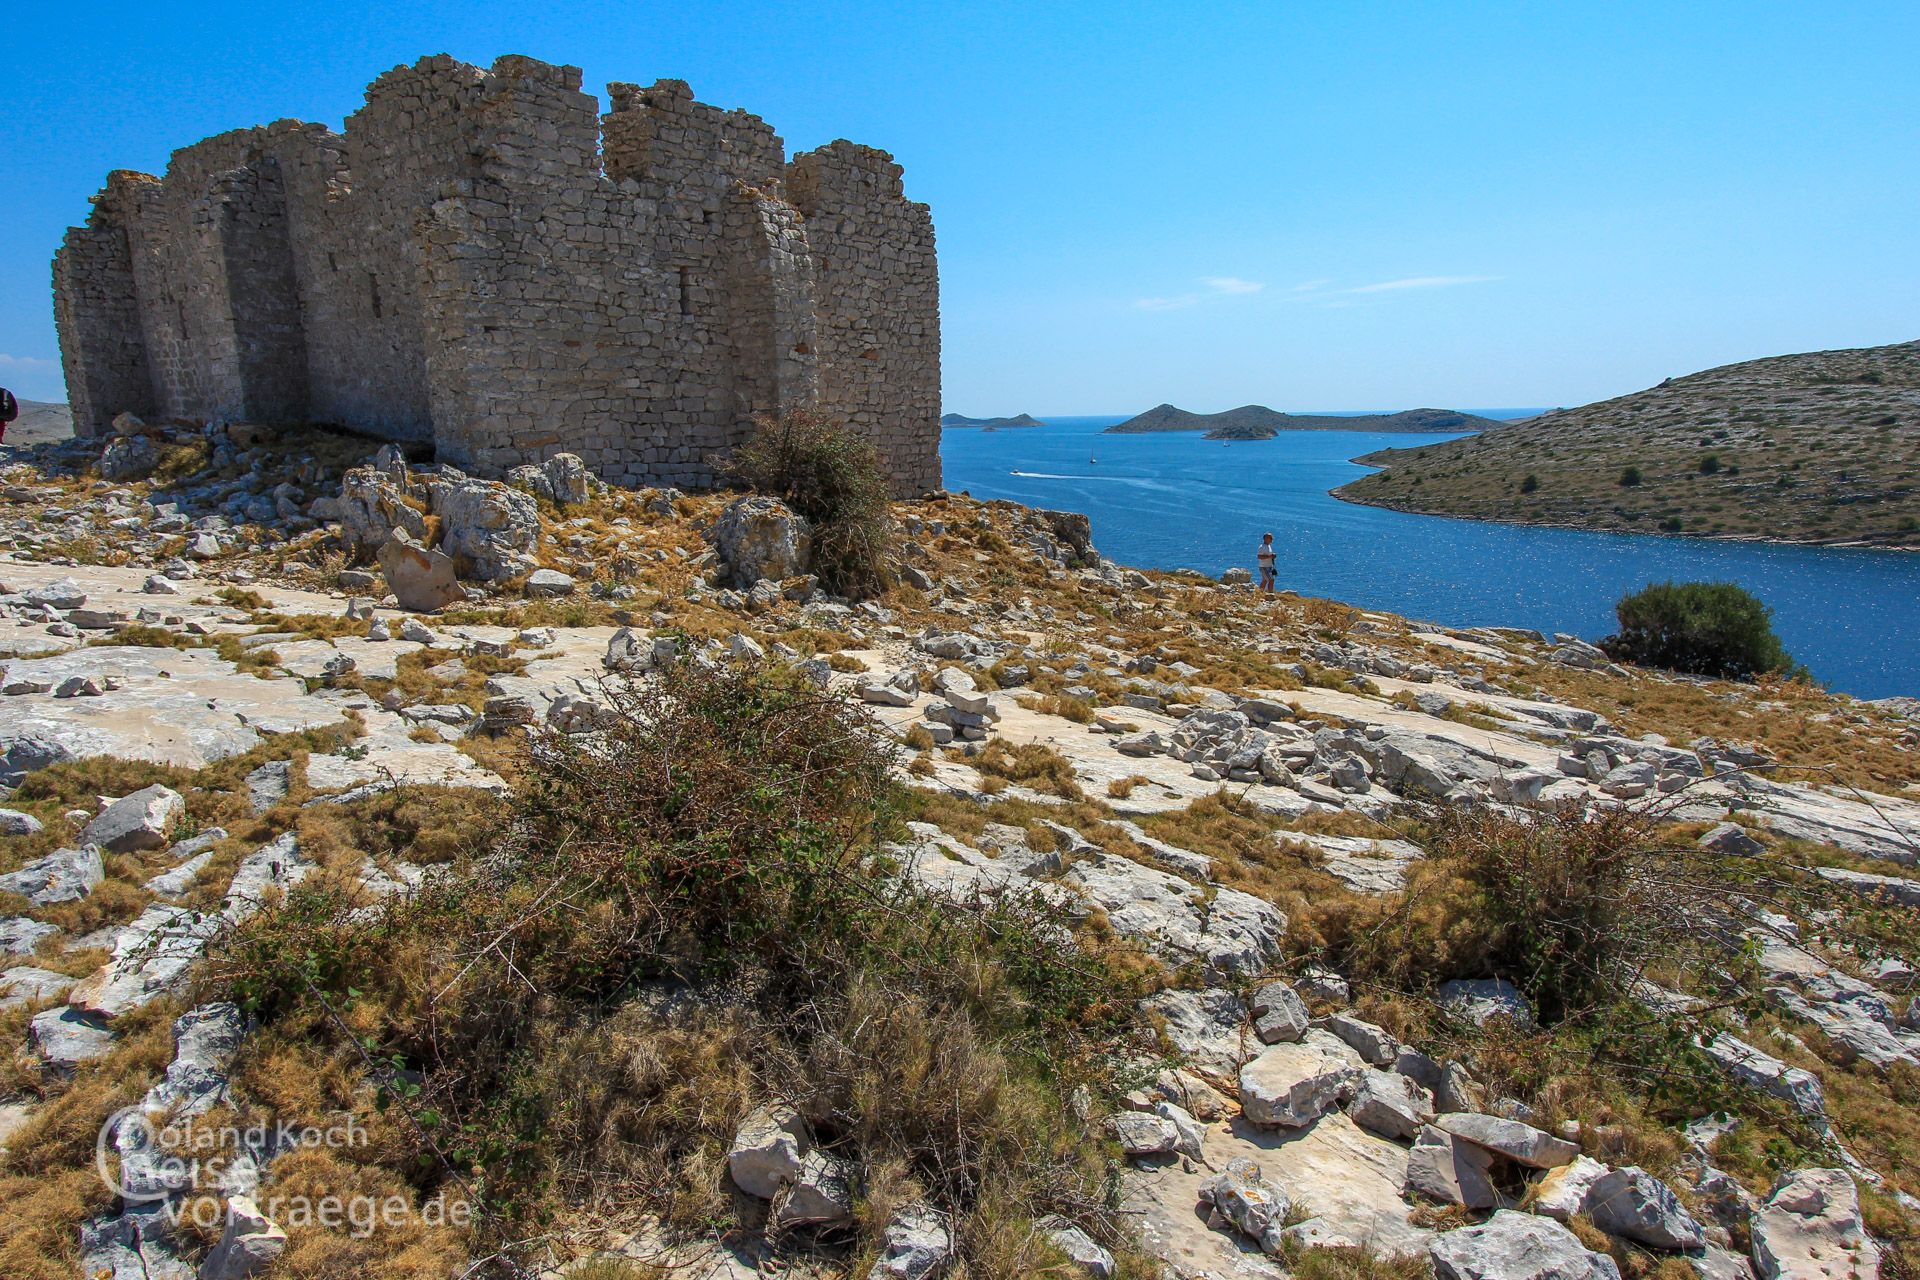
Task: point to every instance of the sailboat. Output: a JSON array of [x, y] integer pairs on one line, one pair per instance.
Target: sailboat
[[1092, 461]]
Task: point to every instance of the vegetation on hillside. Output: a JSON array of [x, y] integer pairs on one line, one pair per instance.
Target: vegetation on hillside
[[690, 916], [831, 474], [1821, 447], [691, 913]]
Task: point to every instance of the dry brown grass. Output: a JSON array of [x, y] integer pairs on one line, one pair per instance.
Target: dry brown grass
[[1078, 710], [1248, 854], [1795, 723], [1032, 764], [48, 1185]]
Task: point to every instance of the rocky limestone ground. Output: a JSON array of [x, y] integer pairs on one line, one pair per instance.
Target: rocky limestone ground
[[235, 659]]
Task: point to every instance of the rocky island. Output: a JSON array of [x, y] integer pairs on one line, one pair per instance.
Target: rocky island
[[1822, 447], [990, 424], [1257, 422]]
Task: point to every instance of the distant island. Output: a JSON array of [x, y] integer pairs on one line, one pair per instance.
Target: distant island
[[1257, 422], [991, 424], [1821, 447]]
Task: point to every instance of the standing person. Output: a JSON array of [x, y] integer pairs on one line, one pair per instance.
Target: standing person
[[9, 410], [1265, 557]]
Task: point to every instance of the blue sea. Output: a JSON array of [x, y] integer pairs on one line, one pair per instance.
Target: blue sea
[[1175, 501]]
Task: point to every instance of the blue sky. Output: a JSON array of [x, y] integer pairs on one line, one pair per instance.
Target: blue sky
[[1317, 205]]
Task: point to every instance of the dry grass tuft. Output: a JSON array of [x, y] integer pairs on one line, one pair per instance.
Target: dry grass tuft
[[1032, 764]]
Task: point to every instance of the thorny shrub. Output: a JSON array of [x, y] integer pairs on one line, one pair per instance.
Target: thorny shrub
[[688, 913], [831, 474], [1575, 907]]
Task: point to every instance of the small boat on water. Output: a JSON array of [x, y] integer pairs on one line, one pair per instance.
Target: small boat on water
[[1092, 461]]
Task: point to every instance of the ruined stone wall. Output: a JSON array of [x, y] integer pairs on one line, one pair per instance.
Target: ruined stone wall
[[103, 348], [412, 145], [480, 261], [878, 303], [570, 311]]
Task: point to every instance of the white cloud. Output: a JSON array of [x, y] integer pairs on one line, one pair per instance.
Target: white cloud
[[27, 364], [1216, 287], [1167, 304], [1308, 286], [1421, 282]]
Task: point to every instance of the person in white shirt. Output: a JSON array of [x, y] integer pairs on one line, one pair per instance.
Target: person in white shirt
[[1265, 557]]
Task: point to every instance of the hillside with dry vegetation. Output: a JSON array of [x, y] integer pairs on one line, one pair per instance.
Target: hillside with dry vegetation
[[1822, 447], [651, 909]]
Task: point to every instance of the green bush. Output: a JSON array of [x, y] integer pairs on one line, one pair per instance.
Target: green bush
[[831, 474], [1530, 484], [1630, 477], [1709, 464], [691, 912], [1701, 628]]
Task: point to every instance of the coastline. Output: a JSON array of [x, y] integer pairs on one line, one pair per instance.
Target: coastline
[[1681, 536]]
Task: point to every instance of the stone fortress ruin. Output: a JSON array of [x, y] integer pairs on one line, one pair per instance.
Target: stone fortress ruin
[[483, 262]]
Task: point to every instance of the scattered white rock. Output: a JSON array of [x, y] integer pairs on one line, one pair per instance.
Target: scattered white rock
[[1450, 1170], [143, 820], [1080, 1248], [1520, 1143], [423, 580], [1192, 1135], [249, 1243], [1631, 1202], [28, 984], [916, 1245], [1141, 1134], [1810, 1229], [759, 537], [1732, 838], [1391, 1105], [65, 875], [22, 935], [150, 957], [1290, 1085], [1562, 1192], [767, 1150], [65, 1037], [204, 1043], [819, 1194], [1375, 1047], [15, 823], [1256, 1208], [1479, 1000], [549, 584], [1517, 1246], [1280, 1016]]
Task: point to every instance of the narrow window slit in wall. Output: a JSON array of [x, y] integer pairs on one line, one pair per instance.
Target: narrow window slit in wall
[[686, 291], [373, 292]]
